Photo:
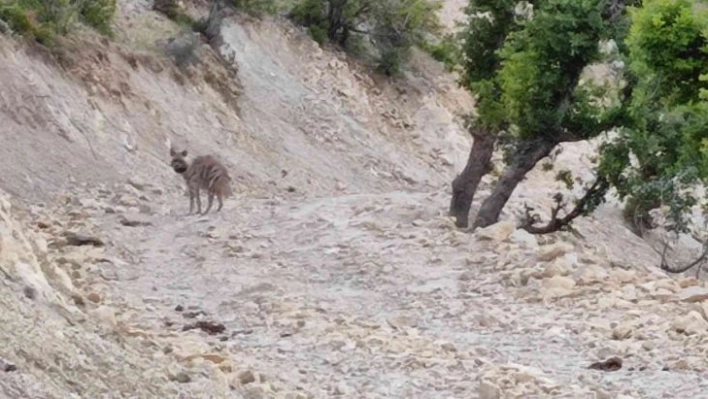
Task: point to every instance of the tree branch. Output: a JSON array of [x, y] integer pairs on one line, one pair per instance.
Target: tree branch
[[593, 196], [680, 269]]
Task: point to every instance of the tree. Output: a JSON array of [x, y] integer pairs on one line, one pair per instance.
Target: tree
[[391, 26], [666, 132], [528, 88], [490, 22], [661, 150]]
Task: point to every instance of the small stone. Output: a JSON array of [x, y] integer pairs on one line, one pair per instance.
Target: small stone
[[497, 232], [255, 392], [622, 332], [524, 239], [692, 323], [448, 347], [135, 220], [246, 377], [681, 364], [181, 377], [80, 240], [590, 274], [693, 294], [553, 251], [623, 276], [557, 268], [30, 292], [611, 364], [105, 315], [7, 366], [94, 297], [559, 282], [341, 389], [402, 321], [487, 390], [466, 276], [78, 300]]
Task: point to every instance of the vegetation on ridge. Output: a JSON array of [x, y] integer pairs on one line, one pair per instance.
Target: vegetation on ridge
[[42, 20]]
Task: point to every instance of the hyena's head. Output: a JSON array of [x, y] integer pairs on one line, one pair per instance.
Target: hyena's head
[[179, 163]]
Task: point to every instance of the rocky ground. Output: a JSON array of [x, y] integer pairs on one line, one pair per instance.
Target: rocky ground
[[375, 296], [333, 271]]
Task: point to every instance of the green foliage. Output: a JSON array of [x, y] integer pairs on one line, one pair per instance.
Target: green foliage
[[42, 20], [489, 24], [98, 14], [541, 68], [447, 50], [256, 8], [391, 27], [668, 48], [666, 127], [171, 10]]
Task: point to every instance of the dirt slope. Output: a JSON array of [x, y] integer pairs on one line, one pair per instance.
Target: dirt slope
[[332, 273]]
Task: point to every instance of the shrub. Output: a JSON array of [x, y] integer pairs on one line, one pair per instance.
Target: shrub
[[98, 14], [256, 8], [42, 20], [391, 27], [446, 50]]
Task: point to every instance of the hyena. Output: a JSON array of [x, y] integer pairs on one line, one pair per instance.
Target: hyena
[[204, 172]]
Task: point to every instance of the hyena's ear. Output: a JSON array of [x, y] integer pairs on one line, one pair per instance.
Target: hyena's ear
[[172, 152], [184, 153]]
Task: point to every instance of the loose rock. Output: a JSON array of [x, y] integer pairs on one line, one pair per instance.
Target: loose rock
[[497, 232], [487, 390], [611, 364], [693, 294]]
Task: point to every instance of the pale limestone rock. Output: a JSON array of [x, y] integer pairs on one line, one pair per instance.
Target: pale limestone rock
[[623, 276], [559, 267], [402, 321], [488, 390], [688, 282], [557, 292], [703, 309], [591, 274], [668, 284], [559, 282], [524, 239], [693, 294], [497, 232], [550, 252], [690, 324], [105, 315], [246, 377], [629, 292], [622, 332]]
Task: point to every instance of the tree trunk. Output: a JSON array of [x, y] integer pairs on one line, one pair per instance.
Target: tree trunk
[[524, 160], [465, 184]]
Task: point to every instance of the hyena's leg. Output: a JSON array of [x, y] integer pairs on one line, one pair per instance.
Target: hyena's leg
[[199, 200], [210, 200], [191, 200], [221, 202]]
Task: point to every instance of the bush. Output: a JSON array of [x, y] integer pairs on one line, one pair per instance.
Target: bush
[[171, 10], [318, 34], [446, 50], [256, 8], [391, 27], [98, 14], [42, 20]]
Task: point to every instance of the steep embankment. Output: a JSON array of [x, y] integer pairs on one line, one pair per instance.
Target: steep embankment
[[332, 273]]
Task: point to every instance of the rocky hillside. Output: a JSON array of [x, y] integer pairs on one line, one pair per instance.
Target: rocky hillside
[[333, 272]]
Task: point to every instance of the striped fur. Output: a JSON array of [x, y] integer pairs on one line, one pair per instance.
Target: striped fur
[[204, 172]]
